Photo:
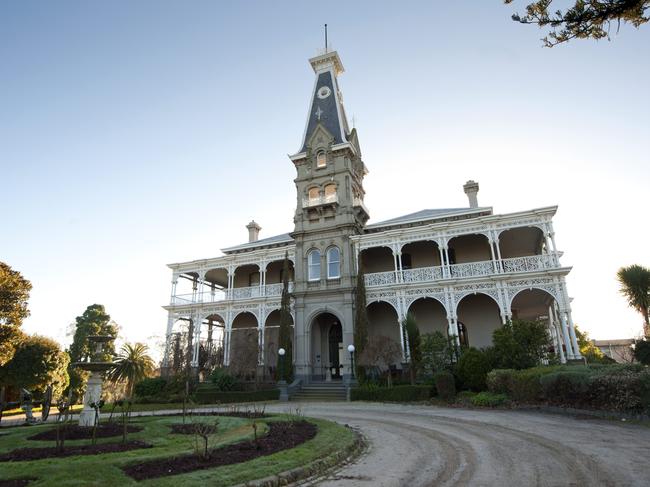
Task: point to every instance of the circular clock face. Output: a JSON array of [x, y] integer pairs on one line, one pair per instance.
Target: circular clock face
[[324, 92]]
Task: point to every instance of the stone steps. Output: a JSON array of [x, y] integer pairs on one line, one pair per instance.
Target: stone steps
[[326, 391]]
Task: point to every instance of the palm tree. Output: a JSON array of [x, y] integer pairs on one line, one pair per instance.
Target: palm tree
[[132, 365], [635, 286]]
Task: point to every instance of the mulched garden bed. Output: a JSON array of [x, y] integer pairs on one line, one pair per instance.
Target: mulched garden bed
[[28, 454], [281, 436], [238, 414], [16, 482], [76, 432]]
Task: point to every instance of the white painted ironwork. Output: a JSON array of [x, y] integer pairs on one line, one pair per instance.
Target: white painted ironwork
[[380, 278], [422, 274], [529, 263], [472, 269]]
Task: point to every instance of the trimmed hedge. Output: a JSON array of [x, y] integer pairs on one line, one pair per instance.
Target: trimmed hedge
[[153, 386], [206, 395], [406, 393], [445, 385], [624, 388], [488, 399]]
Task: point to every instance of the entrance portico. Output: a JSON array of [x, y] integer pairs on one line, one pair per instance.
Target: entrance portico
[[328, 355]]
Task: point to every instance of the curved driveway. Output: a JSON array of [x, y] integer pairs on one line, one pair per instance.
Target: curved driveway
[[426, 446]]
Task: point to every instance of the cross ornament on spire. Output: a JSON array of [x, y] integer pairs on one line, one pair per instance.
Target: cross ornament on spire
[[319, 112]]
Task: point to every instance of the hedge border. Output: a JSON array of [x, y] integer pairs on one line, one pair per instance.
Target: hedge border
[[227, 397]]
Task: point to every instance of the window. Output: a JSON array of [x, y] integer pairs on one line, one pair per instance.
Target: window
[[333, 263], [321, 159], [330, 193], [314, 195], [313, 265]]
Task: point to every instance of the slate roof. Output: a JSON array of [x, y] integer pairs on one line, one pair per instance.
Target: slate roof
[[326, 111], [423, 215], [285, 237]]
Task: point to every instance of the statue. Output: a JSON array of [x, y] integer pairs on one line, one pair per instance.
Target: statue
[[47, 403], [26, 405]]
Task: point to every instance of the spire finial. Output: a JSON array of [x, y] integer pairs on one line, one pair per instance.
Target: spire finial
[[326, 38]]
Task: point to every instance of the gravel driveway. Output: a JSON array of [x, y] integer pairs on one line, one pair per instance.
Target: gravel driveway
[[426, 446]]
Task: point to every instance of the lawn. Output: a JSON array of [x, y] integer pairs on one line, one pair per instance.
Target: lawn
[[104, 470]]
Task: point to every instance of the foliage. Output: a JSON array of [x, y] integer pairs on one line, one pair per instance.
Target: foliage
[[93, 321], [223, 380], [438, 352], [285, 338], [488, 399], [635, 286], [244, 363], [132, 365], [642, 351], [613, 387], [521, 344], [588, 350], [37, 363], [405, 393], [360, 320], [473, 367], [150, 386], [412, 332], [586, 19], [14, 294], [380, 352], [214, 396], [445, 385]]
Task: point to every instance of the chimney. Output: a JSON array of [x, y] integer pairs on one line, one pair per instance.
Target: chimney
[[471, 190], [253, 231]]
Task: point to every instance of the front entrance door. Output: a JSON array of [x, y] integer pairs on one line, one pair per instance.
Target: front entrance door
[[335, 348]]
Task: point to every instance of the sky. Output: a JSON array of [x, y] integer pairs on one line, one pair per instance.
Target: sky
[[137, 134]]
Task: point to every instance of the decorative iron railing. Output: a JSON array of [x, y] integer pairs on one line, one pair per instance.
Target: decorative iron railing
[[236, 293]]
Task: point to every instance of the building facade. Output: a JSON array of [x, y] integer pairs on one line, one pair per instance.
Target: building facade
[[461, 271]]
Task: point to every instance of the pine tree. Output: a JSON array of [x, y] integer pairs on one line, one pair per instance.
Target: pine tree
[[286, 331], [360, 319]]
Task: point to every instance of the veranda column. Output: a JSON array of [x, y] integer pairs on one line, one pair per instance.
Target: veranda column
[[197, 339], [168, 336], [174, 283], [231, 278], [442, 261], [574, 339], [565, 333], [399, 262], [447, 265], [494, 261], [396, 264], [260, 335], [556, 259], [401, 314], [452, 330], [499, 258], [556, 335], [226, 338]]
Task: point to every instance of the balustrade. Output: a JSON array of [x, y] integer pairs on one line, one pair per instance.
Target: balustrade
[[470, 269], [236, 293]]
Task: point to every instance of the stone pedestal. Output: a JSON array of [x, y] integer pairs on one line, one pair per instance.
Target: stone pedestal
[[93, 394], [284, 391]]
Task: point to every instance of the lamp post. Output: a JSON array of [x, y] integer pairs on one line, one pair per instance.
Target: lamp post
[[281, 353], [351, 350]]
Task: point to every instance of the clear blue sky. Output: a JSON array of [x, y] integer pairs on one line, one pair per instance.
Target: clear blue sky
[[134, 134]]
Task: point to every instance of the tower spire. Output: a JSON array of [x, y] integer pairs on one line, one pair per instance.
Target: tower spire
[[325, 38]]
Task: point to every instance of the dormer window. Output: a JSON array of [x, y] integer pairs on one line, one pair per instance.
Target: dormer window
[[321, 159]]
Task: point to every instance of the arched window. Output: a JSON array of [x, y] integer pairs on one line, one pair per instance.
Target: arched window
[[314, 195], [321, 159], [313, 265], [333, 263], [330, 193]]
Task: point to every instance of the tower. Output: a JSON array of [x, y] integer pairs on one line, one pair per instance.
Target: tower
[[329, 208]]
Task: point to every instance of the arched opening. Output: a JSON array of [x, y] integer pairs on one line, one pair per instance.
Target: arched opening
[[211, 352], [275, 272], [430, 315], [383, 321], [423, 253], [333, 258], [186, 288], [246, 276], [328, 356], [539, 305], [470, 255], [272, 340], [244, 345], [480, 315]]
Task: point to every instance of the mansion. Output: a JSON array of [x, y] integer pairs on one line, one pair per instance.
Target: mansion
[[461, 271]]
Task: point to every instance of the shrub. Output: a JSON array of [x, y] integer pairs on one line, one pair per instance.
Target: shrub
[[521, 344], [445, 385], [153, 386], [438, 352], [566, 387], [499, 381], [223, 381], [642, 351], [406, 393], [473, 367], [207, 395], [489, 399]]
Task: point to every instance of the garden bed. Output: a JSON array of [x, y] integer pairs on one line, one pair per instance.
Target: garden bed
[[76, 432], [16, 482], [29, 454], [190, 429], [281, 436]]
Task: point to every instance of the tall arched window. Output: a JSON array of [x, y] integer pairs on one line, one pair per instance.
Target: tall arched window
[[314, 196], [321, 159], [333, 263], [330, 193], [313, 265]]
